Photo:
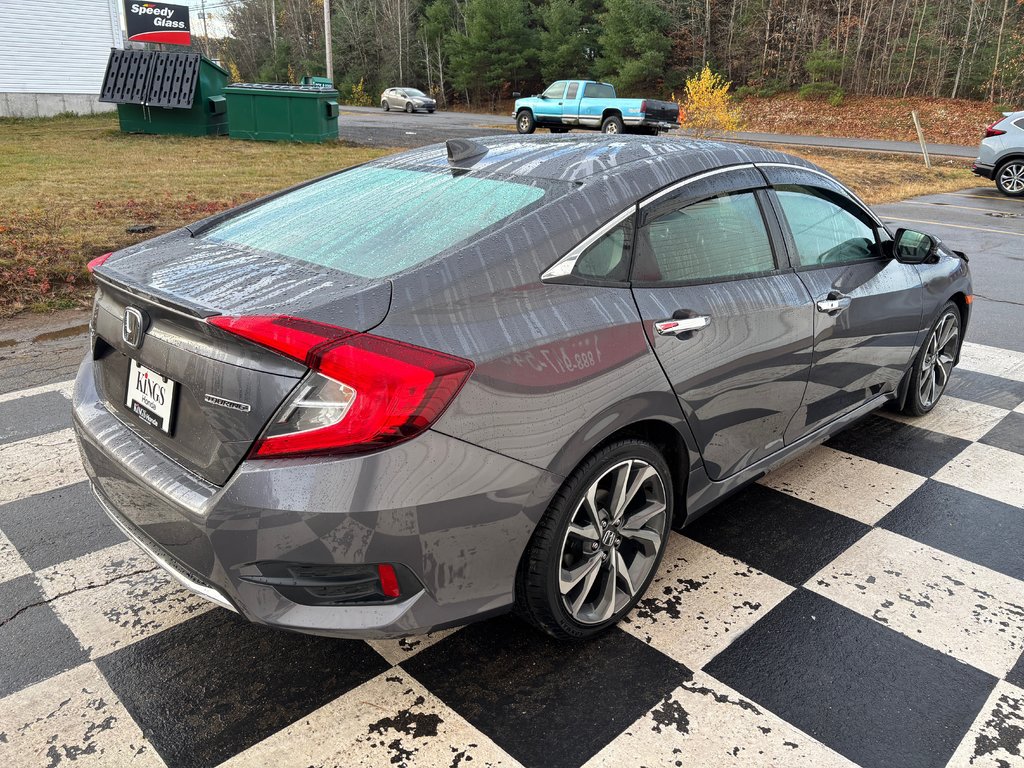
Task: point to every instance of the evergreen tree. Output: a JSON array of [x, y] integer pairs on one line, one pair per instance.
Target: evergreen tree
[[566, 44], [634, 46]]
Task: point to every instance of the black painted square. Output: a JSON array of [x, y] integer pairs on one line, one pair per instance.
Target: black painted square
[[1008, 434], [1016, 674], [34, 643], [547, 703], [965, 524], [898, 445], [214, 685], [58, 525], [785, 537], [26, 417], [985, 388], [872, 694]]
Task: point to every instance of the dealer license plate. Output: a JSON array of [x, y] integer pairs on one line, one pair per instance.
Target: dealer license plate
[[150, 396]]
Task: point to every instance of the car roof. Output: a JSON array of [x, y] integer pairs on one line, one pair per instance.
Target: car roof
[[582, 159]]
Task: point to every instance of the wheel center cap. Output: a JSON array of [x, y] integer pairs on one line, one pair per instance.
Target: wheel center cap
[[608, 537]]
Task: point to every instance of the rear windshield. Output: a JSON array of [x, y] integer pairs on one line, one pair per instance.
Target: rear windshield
[[374, 222], [598, 91]]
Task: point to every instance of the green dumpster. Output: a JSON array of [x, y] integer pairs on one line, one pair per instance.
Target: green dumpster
[[276, 112], [166, 92]]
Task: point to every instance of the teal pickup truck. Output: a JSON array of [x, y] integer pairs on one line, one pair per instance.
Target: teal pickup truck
[[588, 104]]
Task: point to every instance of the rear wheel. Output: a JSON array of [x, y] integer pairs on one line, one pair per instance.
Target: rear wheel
[[934, 363], [612, 124], [524, 122], [1010, 178], [385, 106], [598, 546]]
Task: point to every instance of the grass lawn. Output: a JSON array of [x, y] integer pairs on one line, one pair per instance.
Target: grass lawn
[[72, 186]]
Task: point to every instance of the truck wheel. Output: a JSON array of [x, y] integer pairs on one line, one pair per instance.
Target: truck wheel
[[1010, 178], [524, 122], [612, 124]]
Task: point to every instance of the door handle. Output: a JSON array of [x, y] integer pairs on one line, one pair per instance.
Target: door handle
[[684, 325], [834, 304]]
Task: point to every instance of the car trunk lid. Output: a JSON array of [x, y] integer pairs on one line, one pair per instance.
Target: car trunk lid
[[226, 390]]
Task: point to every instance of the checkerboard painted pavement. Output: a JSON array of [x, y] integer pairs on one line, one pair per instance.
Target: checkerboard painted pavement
[[862, 605]]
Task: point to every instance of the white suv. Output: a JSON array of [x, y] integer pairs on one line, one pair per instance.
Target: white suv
[[1001, 154]]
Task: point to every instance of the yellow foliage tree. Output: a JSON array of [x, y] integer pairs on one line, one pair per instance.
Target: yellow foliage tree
[[358, 97], [708, 106]]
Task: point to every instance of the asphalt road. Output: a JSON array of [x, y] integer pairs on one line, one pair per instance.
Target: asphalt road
[[989, 228], [373, 126]]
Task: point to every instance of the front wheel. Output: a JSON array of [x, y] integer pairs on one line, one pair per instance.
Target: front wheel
[[612, 124], [1010, 178], [409, 107], [598, 546], [934, 363], [524, 122]]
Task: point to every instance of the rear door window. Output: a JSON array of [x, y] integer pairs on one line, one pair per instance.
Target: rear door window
[[720, 238], [573, 90], [373, 222]]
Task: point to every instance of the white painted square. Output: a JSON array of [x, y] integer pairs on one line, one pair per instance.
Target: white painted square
[[397, 651], [995, 738], [706, 723], [954, 417], [115, 597], [39, 464], [841, 482], [992, 360], [700, 602], [965, 610], [11, 564], [989, 471], [390, 720], [71, 718]]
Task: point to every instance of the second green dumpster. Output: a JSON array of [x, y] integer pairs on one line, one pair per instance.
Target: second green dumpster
[[274, 112]]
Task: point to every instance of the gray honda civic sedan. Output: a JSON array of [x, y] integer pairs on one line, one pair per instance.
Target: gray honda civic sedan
[[492, 375]]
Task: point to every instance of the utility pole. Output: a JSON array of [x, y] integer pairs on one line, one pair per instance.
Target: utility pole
[[206, 31], [327, 39]]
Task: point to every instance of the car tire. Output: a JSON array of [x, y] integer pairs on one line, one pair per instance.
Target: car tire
[[933, 362], [1010, 178], [524, 122], [612, 124], [385, 106], [609, 558], [430, 111], [409, 107]]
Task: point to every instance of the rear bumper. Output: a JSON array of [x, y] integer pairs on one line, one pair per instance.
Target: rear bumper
[[649, 122], [456, 516], [983, 170]]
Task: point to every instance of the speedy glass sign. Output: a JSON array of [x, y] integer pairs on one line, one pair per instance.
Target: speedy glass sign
[[157, 22]]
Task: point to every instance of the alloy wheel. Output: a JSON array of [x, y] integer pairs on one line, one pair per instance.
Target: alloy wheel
[[1011, 178], [937, 362], [611, 128], [524, 122], [612, 542]]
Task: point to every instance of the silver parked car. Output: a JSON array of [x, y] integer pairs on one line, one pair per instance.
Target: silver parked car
[[327, 412], [1001, 154], [408, 99]]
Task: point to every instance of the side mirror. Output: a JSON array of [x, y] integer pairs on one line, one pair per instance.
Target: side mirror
[[516, 94], [911, 247]]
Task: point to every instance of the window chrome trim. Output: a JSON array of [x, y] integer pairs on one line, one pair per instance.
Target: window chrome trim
[[833, 179], [565, 265], [693, 179]]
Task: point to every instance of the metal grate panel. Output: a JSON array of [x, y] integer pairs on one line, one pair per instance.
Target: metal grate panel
[[154, 78], [126, 78], [173, 83]]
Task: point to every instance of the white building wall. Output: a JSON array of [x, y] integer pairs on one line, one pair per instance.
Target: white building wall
[[53, 54]]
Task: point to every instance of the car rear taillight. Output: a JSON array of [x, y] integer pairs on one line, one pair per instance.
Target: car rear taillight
[[364, 393], [643, 106], [98, 260], [991, 130]]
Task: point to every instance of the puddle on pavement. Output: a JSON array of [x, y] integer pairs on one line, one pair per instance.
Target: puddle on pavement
[[63, 333]]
